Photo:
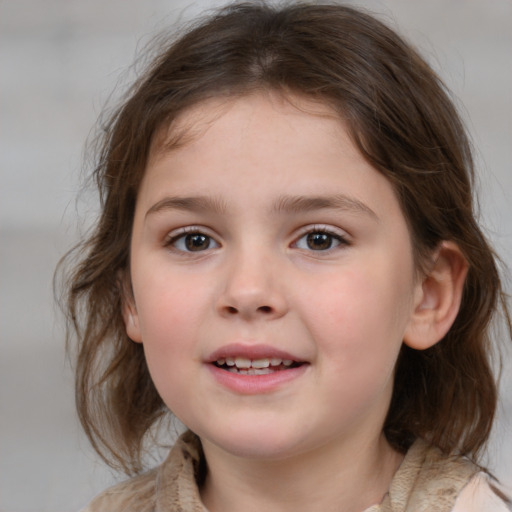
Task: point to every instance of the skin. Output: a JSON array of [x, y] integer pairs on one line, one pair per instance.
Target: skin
[[267, 174]]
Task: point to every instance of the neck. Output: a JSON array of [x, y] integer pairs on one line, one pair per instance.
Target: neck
[[335, 477]]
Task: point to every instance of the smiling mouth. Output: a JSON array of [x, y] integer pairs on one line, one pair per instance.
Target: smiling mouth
[[263, 366]]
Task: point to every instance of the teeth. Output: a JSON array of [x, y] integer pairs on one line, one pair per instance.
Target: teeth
[[251, 371], [261, 363], [242, 362], [246, 363]]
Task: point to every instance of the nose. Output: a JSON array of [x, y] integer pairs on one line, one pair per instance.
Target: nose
[[252, 289]]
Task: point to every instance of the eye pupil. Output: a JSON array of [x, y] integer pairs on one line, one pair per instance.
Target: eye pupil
[[197, 242], [319, 241]]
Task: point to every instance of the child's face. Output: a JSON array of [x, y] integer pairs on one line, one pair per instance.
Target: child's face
[[268, 237]]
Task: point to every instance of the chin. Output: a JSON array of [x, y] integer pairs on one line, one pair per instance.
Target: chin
[[259, 444], [251, 443], [259, 450]]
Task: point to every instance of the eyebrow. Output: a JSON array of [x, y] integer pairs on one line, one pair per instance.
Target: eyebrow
[[297, 204], [193, 204], [284, 204]]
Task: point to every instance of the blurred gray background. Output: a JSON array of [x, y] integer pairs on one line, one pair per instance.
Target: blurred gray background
[[59, 62]]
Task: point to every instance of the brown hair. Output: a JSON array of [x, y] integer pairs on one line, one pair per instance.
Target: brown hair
[[403, 122]]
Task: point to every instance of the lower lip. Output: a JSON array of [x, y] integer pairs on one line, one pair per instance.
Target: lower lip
[[255, 384]]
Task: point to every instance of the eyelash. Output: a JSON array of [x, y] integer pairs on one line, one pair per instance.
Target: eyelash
[[182, 235], [332, 237]]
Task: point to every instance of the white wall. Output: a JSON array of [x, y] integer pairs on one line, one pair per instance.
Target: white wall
[[59, 60]]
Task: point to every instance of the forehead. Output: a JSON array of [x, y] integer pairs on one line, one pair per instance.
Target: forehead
[[193, 123], [261, 148], [242, 140]]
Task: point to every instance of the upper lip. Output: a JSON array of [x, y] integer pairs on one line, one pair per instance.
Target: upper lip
[[252, 352]]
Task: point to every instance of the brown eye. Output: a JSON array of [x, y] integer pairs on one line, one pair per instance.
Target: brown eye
[[193, 242], [319, 241], [197, 242]]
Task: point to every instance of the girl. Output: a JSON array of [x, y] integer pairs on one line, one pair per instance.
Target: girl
[[287, 258]]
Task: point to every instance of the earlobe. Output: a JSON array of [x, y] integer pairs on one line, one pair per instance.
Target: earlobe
[[129, 312], [131, 321], [438, 298]]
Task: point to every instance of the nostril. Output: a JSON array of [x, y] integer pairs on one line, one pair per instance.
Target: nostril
[[231, 310]]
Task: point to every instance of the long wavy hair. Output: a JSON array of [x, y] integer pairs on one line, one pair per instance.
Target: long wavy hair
[[403, 122]]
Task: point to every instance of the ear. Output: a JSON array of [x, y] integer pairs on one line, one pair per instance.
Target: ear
[[437, 298], [129, 311]]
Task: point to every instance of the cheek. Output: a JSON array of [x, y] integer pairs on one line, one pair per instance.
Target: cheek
[[360, 337], [169, 327], [362, 317], [169, 314], [168, 303]]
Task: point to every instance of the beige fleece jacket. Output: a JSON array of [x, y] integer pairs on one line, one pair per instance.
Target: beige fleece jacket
[[426, 481]]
